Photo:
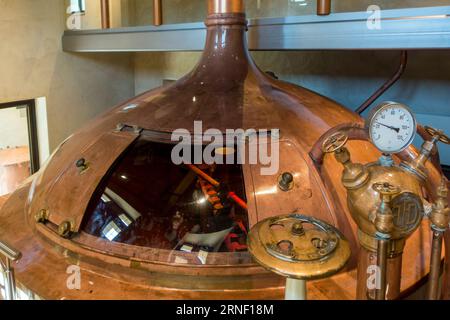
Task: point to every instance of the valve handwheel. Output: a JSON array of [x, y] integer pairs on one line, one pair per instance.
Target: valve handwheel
[[334, 142], [299, 248], [438, 135]]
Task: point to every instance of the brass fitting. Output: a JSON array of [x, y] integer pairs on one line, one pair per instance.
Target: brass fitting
[[417, 166], [42, 216], [384, 218], [440, 215], [355, 174], [65, 229], [364, 202]]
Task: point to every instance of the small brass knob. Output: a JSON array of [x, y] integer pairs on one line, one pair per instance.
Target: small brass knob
[[286, 181], [82, 165]]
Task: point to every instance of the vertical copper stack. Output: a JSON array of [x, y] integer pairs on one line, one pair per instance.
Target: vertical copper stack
[[105, 13], [225, 6], [157, 13], [323, 7]]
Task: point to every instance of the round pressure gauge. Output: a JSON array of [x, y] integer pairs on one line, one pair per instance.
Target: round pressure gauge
[[392, 127]]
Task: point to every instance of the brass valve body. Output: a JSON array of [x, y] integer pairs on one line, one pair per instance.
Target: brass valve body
[[364, 201]]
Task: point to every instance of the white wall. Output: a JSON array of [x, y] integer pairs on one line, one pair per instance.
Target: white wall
[[32, 64]]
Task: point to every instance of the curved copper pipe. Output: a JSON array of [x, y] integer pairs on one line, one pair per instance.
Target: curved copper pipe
[[387, 85], [106, 18], [357, 131], [323, 7]]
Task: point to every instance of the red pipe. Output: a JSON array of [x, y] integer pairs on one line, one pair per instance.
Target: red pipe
[[238, 200]]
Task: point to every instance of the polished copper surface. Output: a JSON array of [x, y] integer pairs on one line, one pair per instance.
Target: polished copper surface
[[225, 6], [226, 91]]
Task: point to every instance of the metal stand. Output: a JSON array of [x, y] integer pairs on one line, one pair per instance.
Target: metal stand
[[295, 289], [299, 248]]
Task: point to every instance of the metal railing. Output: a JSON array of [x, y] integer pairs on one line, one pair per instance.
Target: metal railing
[[11, 255]]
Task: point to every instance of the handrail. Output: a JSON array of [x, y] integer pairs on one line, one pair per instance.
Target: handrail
[[11, 255], [9, 252]]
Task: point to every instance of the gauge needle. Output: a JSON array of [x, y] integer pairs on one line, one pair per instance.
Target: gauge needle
[[392, 128]]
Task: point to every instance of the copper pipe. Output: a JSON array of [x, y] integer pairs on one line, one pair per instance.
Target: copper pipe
[[157, 13], [435, 266], [238, 200], [446, 285], [225, 6], [382, 254], [323, 7], [368, 258], [106, 18], [387, 85], [204, 175]]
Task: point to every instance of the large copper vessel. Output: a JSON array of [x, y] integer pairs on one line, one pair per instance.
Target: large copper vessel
[[58, 218]]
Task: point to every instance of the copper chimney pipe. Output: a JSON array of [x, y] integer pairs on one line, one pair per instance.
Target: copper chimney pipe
[[106, 19], [323, 7], [226, 6], [157, 13]]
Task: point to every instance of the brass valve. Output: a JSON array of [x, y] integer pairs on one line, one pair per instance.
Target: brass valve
[[384, 223], [440, 218], [418, 165], [355, 174], [384, 218], [440, 215]]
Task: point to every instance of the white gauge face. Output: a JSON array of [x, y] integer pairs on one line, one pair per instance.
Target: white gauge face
[[392, 127]]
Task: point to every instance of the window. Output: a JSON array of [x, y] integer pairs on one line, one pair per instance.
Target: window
[[19, 152], [77, 6]]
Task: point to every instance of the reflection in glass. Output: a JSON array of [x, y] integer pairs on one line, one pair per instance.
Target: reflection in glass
[[141, 11], [148, 201]]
